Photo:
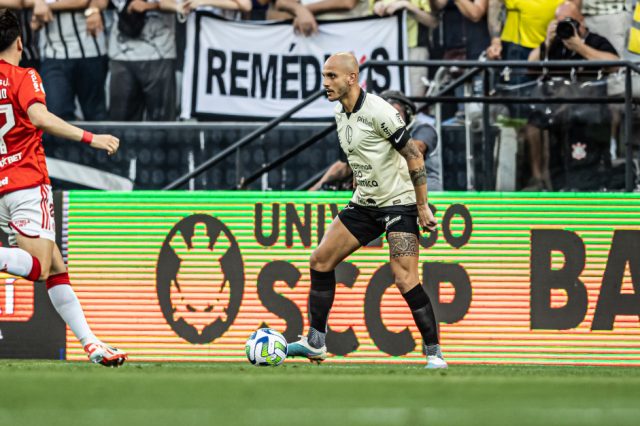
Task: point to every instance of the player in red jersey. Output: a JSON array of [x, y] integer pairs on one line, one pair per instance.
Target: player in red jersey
[[26, 206]]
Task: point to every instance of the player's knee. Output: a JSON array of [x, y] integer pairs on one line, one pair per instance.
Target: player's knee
[[320, 262], [405, 279], [44, 274]]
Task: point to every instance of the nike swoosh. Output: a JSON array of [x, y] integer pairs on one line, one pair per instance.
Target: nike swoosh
[[399, 137]]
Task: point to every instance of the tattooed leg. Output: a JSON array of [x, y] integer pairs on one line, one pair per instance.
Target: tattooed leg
[[402, 244], [403, 251]]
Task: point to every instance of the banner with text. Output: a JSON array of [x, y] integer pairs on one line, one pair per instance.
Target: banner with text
[[244, 69], [515, 278]]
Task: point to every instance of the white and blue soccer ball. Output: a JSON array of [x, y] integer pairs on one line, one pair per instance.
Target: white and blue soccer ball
[[266, 347]]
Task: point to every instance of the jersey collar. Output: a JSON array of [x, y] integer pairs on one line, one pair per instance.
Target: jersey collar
[[358, 104]]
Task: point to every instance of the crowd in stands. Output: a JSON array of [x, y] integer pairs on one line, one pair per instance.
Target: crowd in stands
[[117, 59], [76, 44]]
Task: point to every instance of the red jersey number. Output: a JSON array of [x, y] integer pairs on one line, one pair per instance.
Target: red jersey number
[[7, 121]]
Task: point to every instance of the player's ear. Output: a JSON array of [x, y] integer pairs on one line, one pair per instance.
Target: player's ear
[[19, 44]]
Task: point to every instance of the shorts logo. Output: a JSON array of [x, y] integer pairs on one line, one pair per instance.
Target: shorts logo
[[390, 221], [200, 309], [20, 223]]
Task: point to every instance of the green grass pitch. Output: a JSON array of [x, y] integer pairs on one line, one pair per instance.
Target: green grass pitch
[[53, 393]]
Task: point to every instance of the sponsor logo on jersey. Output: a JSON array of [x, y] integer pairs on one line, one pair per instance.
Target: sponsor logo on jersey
[[366, 202], [399, 120], [4, 181], [10, 159], [365, 121], [367, 183], [34, 80], [385, 129], [357, 166]]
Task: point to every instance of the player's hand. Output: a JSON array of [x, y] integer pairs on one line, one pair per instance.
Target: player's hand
[[305, 23], [35, 23], [494, 51], [397, 5], [551, 32], [427, 220], [191, 5], [94, 24], [378, 8], [137, 6], [108, 143], [42, 12], [574, 43]]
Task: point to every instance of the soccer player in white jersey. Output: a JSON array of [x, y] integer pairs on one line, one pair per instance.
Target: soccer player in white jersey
[[390, 195]]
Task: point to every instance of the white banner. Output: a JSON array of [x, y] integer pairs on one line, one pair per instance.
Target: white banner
[[261, 70]]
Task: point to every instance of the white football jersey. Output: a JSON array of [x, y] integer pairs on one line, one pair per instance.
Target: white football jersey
[[381, 173]]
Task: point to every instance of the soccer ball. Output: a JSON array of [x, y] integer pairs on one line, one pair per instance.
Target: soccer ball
[[266, 347]]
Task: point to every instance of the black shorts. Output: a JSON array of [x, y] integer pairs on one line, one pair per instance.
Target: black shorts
[[368, 223]]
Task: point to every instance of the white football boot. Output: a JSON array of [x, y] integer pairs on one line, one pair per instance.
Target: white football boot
[[101, 353]]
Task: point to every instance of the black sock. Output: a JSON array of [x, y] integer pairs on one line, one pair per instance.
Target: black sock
[[323, 291], [423, 315]]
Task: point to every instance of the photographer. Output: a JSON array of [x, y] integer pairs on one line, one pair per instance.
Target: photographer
[[567, 39]]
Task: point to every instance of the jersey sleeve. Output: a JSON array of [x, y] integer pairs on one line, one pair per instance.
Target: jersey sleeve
[[390, 126], [31, 90]]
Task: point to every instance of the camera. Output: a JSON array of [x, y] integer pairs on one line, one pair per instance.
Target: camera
[[567, 28]]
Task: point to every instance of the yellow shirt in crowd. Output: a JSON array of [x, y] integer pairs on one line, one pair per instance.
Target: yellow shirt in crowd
[[412, 23], [634, 32], [527, 21]]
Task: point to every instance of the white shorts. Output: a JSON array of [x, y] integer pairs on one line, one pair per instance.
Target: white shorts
[[28, 212]]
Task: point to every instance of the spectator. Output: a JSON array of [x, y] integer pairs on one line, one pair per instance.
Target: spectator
[[273, 14], [229, 9], [422, 130], [632, 51], [582, 45], [74, 61], [609, 18], [25, 9], [142, 57], [418, 14], [463, 32], [306, 12], [524, 29]]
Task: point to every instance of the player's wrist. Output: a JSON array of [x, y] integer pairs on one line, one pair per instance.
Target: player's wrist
[[91, 10], [87, 137]]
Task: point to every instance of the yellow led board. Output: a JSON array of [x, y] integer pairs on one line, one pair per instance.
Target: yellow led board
[[515, 277]]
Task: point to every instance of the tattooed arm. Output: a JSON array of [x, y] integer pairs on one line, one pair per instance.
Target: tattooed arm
[[495, 28], [417, 171], [418, 174]]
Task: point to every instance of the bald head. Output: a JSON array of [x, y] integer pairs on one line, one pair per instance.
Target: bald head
[[568, 9], [344, 61], [340, 79]]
